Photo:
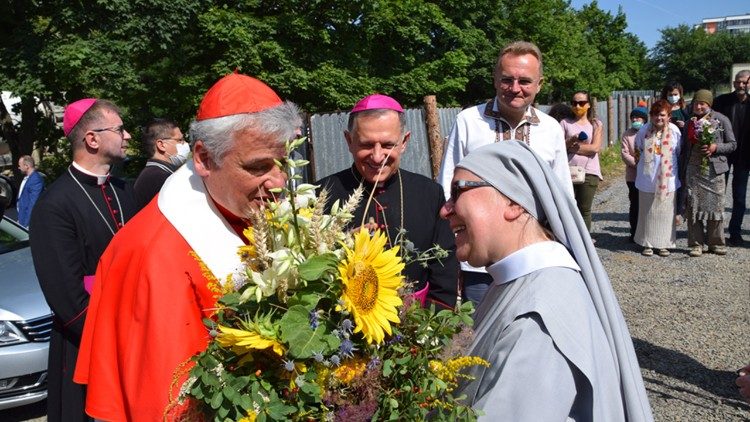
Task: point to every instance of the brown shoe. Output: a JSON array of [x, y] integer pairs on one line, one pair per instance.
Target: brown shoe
[[662, 252], [696, 251]]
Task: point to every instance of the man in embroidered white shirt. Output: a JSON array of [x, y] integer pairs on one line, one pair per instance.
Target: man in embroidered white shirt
[[508, 116]]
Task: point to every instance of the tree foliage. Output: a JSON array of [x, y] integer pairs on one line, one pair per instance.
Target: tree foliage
[[157, 58], [697, 59]]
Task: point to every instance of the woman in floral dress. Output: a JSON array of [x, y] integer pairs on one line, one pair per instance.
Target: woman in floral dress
[[656, 179], [710, 140]]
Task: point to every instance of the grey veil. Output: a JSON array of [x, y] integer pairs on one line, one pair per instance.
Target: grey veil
[[514, 170]]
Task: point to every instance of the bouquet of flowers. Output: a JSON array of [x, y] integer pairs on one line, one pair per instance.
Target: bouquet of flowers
[[704, 131], [318, 324]]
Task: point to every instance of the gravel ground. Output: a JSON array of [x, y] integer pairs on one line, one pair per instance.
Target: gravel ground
[[688, 316]]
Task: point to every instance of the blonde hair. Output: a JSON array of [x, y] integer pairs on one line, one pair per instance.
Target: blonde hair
[[519, 48]]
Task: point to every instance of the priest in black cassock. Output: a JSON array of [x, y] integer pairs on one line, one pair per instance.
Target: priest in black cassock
[[377, 136], [71, 225]]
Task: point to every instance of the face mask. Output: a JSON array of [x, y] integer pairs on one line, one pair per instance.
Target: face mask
[[580, 111], [183, 150], [673, 99], [636, 125]]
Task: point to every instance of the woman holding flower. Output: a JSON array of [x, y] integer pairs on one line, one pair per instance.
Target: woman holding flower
[[656, 179], [549, 324], [710, 140]]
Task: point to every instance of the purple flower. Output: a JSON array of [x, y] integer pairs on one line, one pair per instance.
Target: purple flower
[[395, 339], [347, 348], [373, 364], [313, 319], [346, 326], [336, 360]]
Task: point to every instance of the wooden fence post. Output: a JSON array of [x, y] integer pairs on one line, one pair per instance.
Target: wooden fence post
[[434, 137], [610, 120]]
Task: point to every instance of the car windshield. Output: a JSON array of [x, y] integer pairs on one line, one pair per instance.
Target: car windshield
[[12, 236]]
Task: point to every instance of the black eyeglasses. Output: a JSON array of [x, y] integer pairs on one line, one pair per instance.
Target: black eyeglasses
[[460, 186], [116, 129], [579, 103]]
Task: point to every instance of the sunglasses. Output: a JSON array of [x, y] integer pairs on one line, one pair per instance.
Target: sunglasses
[[579, 103], [460, 186]]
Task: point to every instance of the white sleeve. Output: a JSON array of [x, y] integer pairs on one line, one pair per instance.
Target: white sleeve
[[531, 380], [560, 166], [454, 152]]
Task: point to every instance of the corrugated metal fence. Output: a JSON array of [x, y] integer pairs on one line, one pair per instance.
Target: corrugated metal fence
[[329, 153]]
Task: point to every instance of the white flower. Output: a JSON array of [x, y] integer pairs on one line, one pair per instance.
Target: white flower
[[305, 195], [239, 278], [264, 285]]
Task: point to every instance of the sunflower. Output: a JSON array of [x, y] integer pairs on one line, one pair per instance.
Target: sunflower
[[371, 277], [244, 341]]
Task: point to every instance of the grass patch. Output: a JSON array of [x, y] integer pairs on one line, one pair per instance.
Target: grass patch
[[611, 165]]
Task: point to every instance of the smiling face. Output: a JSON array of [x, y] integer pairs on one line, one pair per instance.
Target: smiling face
[[700, 108], [376, 142], [246, 173], [476, 219], [517, 81], [660, 119]]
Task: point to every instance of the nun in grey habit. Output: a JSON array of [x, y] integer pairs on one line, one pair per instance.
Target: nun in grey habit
[[550, 324]]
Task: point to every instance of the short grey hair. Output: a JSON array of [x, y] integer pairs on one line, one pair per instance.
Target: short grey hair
[[28, 160], [375, 112], [744, 73], [281, 122]]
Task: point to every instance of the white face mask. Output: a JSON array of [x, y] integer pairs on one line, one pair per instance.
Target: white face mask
[[673, 99], [183, 151]]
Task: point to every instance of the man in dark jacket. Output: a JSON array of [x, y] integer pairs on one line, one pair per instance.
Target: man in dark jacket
[[168, 149], [736, 106]]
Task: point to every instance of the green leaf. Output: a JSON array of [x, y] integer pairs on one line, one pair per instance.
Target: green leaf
[[308, 299], [387, 368], [315, 266], [303, 341], [217, 399], [229, 392]]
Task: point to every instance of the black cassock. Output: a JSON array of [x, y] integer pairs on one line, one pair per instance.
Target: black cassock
[[422, 200], [71, 225]]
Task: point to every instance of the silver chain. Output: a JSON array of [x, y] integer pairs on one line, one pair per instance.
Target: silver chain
[[122, 220]]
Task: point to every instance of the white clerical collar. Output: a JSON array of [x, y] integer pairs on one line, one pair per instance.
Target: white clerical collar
[[187, 205], [100, 180], [529, 259]]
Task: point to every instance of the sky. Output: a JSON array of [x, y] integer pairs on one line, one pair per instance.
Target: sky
[[647, 17]]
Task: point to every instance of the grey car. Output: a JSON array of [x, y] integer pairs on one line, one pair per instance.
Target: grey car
[[25, 322]]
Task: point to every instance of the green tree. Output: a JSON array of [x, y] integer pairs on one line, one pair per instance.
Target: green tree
[[621, 55], [61, 51], [697, 59]]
